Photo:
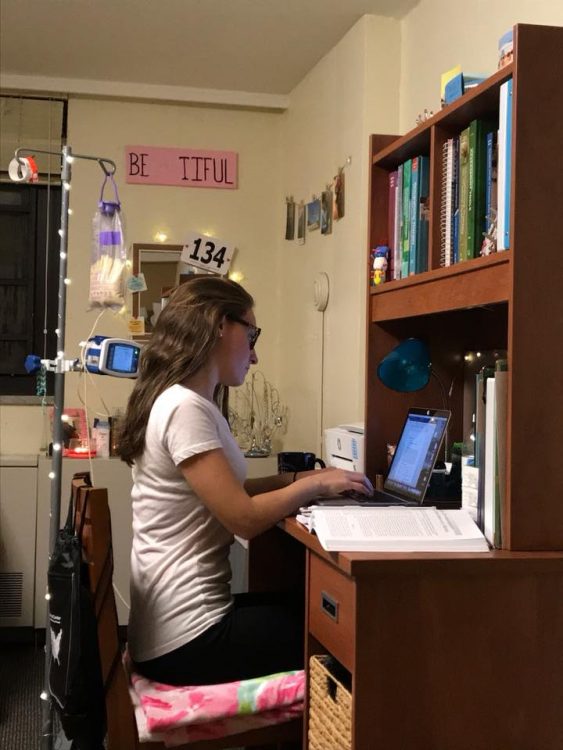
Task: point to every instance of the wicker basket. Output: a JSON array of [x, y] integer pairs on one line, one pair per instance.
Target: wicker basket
[[330, 709]]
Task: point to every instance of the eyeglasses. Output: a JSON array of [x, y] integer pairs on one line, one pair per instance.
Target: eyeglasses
[[253, 331]]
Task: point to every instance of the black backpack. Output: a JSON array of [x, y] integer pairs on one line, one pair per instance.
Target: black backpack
[[75, 675]]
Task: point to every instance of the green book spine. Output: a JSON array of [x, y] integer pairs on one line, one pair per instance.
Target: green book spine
[[476, 219], [463, 192], [471, 188], [407, 167], [483, 128], [413, 229]]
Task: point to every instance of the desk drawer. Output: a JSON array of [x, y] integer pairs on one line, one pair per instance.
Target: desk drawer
[[332, 610]]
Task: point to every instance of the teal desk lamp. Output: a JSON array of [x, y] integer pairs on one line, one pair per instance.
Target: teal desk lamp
[[407, 368]]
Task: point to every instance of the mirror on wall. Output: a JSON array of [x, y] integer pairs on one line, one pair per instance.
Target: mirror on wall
[[162, 269]]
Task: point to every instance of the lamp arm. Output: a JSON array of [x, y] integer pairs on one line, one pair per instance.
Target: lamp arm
[[445, 406]]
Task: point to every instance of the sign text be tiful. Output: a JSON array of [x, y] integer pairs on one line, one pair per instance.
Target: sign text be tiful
[[182, 167]]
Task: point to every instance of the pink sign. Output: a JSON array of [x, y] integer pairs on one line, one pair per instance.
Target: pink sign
[[183, 167]]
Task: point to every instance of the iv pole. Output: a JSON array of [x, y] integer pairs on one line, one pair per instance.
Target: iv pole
[[60, 367]]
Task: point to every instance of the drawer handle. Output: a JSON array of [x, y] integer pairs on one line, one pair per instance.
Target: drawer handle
[[329, 606]]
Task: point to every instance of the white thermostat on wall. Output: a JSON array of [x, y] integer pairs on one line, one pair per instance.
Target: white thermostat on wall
[[321, 291]]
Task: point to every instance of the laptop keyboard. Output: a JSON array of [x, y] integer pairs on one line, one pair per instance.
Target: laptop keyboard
[[378, 498]]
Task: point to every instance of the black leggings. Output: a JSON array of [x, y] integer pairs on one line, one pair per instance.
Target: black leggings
[[262, 634]]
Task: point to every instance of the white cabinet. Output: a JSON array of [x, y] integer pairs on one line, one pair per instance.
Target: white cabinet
[[18, 481], [108, 472], [238, 557]]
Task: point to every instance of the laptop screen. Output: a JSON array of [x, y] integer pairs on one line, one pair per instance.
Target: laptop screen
[[416, 453]]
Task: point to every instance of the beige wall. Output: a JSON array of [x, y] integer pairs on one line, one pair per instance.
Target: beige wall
[[438, 34], [376, 79], [352, 91], [247, 217]]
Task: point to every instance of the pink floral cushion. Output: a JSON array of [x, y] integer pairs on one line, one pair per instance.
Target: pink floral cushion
[[176, 715]]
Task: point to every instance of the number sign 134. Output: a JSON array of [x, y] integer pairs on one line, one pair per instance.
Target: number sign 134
[[209, 253]]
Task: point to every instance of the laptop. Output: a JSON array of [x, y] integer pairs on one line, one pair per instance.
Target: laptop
[[415, 456]]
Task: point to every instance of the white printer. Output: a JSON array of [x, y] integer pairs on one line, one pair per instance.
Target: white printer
[[344, 446]]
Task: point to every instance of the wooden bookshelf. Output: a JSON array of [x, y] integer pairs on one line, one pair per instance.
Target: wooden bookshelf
[[449, 650], [511, 300]]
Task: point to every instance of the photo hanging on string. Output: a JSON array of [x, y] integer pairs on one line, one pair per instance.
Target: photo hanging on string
[[290, 219], [326, 212], [313, 215], [301, 223], [338, 187]]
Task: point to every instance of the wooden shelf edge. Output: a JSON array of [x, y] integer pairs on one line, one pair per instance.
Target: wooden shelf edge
[[477, 282], [468, 266]]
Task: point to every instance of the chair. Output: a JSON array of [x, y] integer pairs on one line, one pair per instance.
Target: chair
[[121, 725]]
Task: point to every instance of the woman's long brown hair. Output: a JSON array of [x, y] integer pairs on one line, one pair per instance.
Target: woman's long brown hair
[[180, 345]]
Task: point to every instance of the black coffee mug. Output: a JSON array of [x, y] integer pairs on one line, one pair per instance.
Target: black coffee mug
[[292, 461]]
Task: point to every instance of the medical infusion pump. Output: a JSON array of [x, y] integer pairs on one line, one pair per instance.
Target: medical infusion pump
[[112, 356], [344, 447]]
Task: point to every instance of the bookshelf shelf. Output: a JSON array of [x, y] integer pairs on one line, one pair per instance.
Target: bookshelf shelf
[[506, 301], [480, 281]]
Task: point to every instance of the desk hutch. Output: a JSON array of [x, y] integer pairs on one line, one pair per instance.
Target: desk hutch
[[465, 651]]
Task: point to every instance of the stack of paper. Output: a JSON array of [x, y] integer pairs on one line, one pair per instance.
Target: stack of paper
[[395, 529], [305, 514]]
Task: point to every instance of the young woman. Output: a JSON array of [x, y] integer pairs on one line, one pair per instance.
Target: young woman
[[190, 497]]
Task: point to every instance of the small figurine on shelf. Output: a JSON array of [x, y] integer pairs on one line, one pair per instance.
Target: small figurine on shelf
[[379, 264], [422, 117]]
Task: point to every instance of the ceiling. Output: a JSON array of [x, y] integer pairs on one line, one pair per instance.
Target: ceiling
[[263, 46]]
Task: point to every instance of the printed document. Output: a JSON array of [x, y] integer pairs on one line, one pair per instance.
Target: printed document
[[396, 529]]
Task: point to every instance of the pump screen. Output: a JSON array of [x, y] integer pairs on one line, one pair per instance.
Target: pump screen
[[122, 358]]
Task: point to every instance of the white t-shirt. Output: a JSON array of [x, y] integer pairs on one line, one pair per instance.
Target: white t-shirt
[[180, 571]]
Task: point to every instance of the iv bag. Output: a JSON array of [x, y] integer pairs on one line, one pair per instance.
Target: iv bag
[[109, 254]]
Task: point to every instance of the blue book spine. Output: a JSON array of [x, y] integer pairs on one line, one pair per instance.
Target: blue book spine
[[489, 178], [508, 155]]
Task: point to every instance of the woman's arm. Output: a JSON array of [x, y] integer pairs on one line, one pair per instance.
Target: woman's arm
[[275, 482], [212, 479]]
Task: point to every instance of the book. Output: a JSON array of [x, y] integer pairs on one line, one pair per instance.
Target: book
[[444, 190], [454, 89], [398, 247], [455, 207], [392, 204], [459, 85], [445, 78], [504, 165], [396, 529], [463, 194], [423, 212], [413, 217], [481, 435], [478, 131], [490, 467], [449, 202], [491, 179], [405, 225], [501, 406]]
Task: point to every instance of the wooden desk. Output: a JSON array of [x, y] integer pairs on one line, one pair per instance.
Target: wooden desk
[[446, 652]]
